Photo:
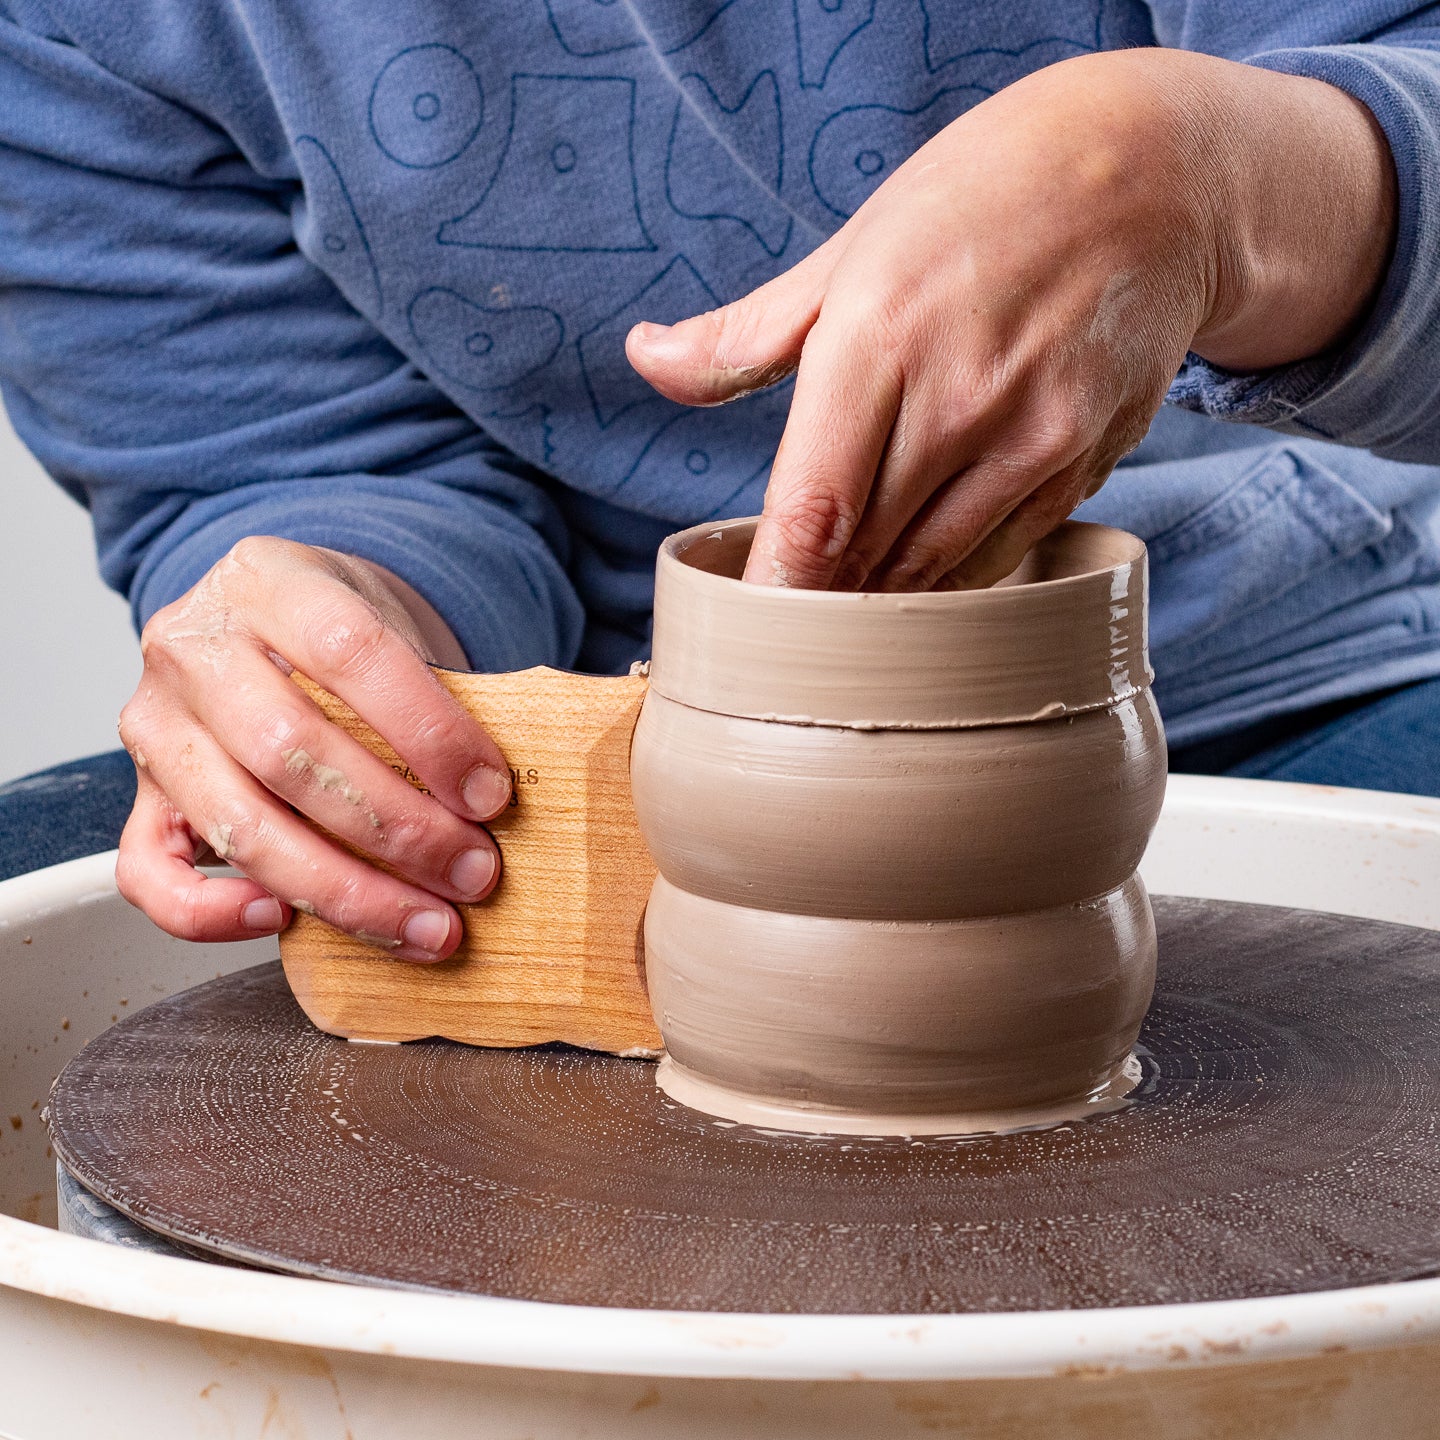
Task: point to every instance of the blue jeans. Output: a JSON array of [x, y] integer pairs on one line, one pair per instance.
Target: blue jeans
[[1385, 742], [1389, 741]]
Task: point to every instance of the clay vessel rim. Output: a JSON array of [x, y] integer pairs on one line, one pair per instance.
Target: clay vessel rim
[[673, 550]]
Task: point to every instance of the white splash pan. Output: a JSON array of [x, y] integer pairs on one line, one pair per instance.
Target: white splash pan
[[103, 1342]]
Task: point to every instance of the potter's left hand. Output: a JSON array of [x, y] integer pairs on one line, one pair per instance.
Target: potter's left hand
[[998, 323]]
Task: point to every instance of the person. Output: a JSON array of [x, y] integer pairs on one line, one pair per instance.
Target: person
[[404, 334]]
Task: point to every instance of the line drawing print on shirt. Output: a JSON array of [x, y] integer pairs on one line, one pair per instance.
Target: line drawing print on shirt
[[481, 347], [426, 106], [701, 446], [857, 147], [613, 386], [823, 28], [344, 250], [958, 32], [586, 28], [707, 179], [535, 415], [584, 183]]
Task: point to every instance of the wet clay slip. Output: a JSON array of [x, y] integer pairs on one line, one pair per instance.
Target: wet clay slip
[[897, 838]]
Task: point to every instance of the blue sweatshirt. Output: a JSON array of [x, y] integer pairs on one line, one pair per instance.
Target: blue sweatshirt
[[360, 275]]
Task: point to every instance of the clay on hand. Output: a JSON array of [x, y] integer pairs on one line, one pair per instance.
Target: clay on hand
[[231, 754]]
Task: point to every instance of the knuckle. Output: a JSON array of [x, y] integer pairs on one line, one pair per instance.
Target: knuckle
[[187, 920], [878, 312], [134, 725], [741, 343], [925, 560], [1062, 433], [410, 837], [229, 839], [855, 567], [351, 639], [817, 523], [346, 906], [271, 751], [1047, 447], [157, 640], [736, 332], [1052, 504], [451, 740], [1127, 433], [251, 553], [130, 875]]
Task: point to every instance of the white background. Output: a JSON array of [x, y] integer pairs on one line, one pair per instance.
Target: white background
[[68, 657]]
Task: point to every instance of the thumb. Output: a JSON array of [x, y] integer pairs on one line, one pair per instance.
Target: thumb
[[746, 345]]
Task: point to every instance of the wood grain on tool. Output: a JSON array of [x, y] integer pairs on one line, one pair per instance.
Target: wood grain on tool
[[1283, 1140], [556, 951]]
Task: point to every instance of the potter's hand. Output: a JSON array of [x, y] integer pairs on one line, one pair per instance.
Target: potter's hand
[[225, 744], [997, 325]]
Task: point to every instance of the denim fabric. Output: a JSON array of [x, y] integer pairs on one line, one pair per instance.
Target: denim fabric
[[61, 814], [1389, 743]]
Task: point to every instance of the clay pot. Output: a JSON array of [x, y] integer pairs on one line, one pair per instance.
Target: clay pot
[[897, 838]]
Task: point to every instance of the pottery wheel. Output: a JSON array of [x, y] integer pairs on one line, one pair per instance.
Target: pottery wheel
[[1284, 1139]]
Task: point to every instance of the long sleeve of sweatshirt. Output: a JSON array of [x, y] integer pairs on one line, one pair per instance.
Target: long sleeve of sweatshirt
[[177, 362], [361, 275]]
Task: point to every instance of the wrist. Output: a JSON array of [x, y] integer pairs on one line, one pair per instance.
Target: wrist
[[1299, 188], [1267, 199]]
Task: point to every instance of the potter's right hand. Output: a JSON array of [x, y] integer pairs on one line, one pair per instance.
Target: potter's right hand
[[227, 749], [997, 324]]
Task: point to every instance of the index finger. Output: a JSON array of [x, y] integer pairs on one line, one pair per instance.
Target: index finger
[[847, 395]]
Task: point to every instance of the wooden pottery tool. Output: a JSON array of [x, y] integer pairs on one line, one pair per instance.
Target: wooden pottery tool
[[556, 951]]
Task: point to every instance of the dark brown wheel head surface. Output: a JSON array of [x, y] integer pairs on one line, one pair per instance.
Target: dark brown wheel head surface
[[1285, 1139]]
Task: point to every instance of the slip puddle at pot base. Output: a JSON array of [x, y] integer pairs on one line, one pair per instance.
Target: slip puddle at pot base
[[1282, 1140]]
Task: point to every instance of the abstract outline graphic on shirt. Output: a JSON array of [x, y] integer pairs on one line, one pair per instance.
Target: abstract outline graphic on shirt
[[686, 444], [676, 293], [483, 347], [542, 420], [612, 26], [585, 209], [705, 156], [426, 106], [821, 34], [881, 144], [953, 25], [340, 261]]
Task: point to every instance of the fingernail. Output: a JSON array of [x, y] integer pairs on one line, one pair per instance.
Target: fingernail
[[263, 915], [473, 871], [486, 791], [427, 930]]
